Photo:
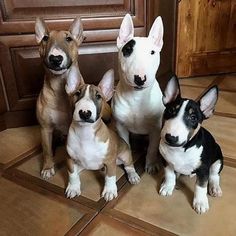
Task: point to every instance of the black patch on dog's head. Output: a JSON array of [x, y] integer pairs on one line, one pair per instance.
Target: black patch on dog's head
[[192, 115], [128, 48], [173, 108]]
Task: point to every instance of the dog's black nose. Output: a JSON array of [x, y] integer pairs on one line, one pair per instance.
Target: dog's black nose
[[85, 115], [171, 139], [55, 60], [138, 80]]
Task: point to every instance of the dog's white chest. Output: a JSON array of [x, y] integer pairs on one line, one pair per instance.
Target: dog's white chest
[[181, 161], [139, 111], [86, 149]]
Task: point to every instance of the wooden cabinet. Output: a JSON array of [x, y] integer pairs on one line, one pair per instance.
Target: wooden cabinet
[[21, 71], [206, 37]]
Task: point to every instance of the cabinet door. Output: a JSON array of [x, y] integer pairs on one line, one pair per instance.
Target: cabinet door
[[206, 37], [20, 65]]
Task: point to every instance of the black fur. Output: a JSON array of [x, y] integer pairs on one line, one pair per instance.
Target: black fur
[[210, 154], [128, 48]]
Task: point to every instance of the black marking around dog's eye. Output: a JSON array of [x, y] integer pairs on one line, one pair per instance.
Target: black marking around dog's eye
[[128, 48], [68, 39], [98, 96], [152, 52], [45, 38]]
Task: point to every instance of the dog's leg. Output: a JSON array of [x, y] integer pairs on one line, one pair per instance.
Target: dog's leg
[[110, 189], [48, 164], [152, 165], [214, 179], [200, 201], [126, 158], [73, 187], [169, 182]]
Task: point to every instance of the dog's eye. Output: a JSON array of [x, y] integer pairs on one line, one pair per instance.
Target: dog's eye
[[68, 39], [98, 96], [45, 38], [152, 52], [171, 110], [77, 93], [193, 118]]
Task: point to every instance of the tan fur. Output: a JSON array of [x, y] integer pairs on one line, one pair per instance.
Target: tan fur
[[53, 107]]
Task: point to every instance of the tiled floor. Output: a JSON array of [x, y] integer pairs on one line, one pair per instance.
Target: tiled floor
[[30, 205]]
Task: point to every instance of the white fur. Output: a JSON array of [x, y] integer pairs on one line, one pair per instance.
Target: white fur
[[176, 126], [84, 147], [85, 104], [183, 162], [139, 111], [110, 189], [168, 185], [200, 201], [73, 187], [214, 180], [132, 175]]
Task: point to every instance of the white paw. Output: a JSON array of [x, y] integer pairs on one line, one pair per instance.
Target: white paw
[[215, 191], [72, 190], [47, 173], [151, 168], [166, 189], [109, 192], [133, 178], [201, 206]]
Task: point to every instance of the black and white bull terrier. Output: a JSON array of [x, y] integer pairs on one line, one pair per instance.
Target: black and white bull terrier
[[188, 148], [91, 144], [137, 102]]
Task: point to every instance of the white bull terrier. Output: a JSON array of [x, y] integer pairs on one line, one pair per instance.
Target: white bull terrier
[[137, 103]]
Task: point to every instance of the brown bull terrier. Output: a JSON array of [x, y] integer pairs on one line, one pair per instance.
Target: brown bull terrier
[[59, 52], [91, 144]]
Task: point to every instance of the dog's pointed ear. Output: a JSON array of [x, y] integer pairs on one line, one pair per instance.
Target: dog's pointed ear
[[208, 101], [172, 90], [156, 33], [74, 79], [41, 29], [107, 84], [76, 29], [126, 32]]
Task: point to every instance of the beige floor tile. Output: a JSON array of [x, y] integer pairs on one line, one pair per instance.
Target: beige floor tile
[[91, 181], [104, 226], [226, 102], [175, 213], [191, 92], [17, 141], [24, 212], [229, 83], [223, 130], [203, 81]]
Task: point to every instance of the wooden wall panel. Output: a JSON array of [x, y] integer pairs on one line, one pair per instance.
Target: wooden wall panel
[[206, 37]]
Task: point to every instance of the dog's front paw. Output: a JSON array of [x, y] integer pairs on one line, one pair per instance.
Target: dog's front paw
[[166, 189], [133, 178], [110, 192], [201, 206], [72, 190], [47, 173], [215, 191], [151, 168]]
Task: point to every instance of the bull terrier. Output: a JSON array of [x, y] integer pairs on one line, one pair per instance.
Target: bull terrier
[[188, 148], [58, 51], [137, 102], [91, 144]]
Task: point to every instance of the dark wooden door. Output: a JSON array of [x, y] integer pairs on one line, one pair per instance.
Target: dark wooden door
[[206, 37], [21, 70]]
